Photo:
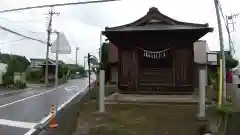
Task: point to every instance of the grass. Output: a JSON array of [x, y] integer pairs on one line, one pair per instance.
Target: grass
[[138, 119], [135, 119]]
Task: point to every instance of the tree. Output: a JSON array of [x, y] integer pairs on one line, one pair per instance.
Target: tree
[[63, 70], [73, 68], [20, 62], [15, 63], [80, 69], [230, 61], [8, 77]]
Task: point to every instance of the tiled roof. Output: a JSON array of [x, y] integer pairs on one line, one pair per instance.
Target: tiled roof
[[154, 20]]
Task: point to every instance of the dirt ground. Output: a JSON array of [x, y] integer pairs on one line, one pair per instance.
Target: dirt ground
[[134, 119]]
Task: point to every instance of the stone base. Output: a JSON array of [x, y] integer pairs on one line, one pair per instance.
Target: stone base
[[208, 125], [201, 119], [101, 113]]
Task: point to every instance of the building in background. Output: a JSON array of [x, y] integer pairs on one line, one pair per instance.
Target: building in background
[[3, 70]]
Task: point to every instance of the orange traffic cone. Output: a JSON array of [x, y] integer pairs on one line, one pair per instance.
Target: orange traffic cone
[[52, 120]]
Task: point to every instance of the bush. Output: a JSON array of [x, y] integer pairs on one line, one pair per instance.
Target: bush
[[20, 84], [8, 78]]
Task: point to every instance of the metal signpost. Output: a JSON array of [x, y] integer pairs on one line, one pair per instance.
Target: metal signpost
[[60, 46], [56, 68]]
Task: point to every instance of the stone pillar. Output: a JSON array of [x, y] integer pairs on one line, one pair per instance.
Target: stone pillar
[[101, 91], [202, 91]]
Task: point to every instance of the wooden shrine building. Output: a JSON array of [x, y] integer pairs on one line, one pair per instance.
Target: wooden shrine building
[[155, 54]]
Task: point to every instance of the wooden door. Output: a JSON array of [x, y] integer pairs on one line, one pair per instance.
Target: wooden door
[[183, 67], [125, 76], [129, 68]]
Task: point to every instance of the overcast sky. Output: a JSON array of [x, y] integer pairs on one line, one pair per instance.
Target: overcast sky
[[82, 24]]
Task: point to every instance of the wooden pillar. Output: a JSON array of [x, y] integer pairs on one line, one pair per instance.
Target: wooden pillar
[[119, 68], [177, 70], [135, 67], [173, 68]]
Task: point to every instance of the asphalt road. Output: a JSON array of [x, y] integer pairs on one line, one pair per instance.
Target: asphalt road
[[21, 111], [238, 98]]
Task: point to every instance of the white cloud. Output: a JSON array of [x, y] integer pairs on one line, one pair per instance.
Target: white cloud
[[83, 23]]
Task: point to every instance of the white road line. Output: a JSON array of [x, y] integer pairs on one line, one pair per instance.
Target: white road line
[[26, 98], [71, 88], [18, 124], [64, 104], [31, 131], [15, 91], [45, 119]]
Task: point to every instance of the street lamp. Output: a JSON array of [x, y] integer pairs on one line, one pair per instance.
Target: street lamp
[[84, 65], [77, 48]]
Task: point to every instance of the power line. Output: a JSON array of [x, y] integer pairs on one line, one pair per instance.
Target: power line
[[32, 14], [30, 21], [225, 23], [19, 26], [231, 18], [29, 13], [13, 41], [25, 21], [57, 5], [16, 33]]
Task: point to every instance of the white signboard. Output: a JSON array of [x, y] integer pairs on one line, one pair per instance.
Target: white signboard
[[64, 47], [200, 52], [212, 58]]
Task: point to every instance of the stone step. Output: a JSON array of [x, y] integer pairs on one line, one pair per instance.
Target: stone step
[[154, 83]]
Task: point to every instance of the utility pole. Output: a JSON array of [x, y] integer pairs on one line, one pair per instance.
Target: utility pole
[[89, 73], [229, 36], [216, 2], [49, 31], [77, 48]]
